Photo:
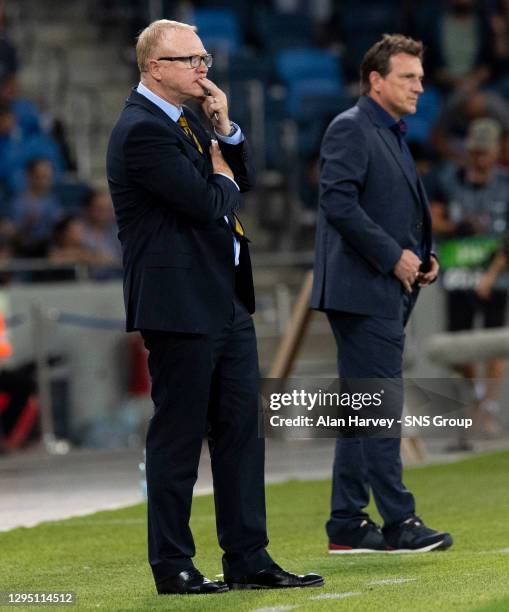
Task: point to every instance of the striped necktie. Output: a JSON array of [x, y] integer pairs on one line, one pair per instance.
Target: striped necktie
[[235, 224], [182, 121], [233, 220]]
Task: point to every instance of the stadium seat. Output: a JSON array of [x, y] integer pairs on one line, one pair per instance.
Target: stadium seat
[[243, 10], [361, 25], [276, 30], [425, 19], [307, 63], [219, 29], [309, 99], [245, 65], [314, 81], [357, 17]]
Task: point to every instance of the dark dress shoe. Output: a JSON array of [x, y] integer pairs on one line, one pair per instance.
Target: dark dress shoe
[[190, 582], [274, 577]]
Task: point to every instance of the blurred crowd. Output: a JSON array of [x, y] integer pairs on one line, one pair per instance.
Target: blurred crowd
[[45, 211], [306, 56]]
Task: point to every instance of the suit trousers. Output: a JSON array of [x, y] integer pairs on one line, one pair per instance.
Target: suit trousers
[[206, 386], [369, 347]]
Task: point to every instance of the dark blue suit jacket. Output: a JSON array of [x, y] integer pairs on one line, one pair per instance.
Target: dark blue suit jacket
[[179, 272], [367, 206]]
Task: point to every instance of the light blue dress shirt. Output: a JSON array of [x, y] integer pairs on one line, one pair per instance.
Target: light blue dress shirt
[[174, 113]]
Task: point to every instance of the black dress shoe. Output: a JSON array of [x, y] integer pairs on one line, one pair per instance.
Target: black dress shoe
[[274, 577], [190, 582]]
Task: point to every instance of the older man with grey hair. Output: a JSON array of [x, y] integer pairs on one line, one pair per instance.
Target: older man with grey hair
[[188, 289]]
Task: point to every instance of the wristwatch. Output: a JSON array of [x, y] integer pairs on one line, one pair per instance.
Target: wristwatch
[[232, 130]]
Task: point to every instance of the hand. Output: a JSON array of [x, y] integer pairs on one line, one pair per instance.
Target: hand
[[426, 278], [484, 286], [215, 106], [218, 161], [407, 269]]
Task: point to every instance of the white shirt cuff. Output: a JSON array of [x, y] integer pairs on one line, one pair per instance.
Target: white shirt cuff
[[237, 138]]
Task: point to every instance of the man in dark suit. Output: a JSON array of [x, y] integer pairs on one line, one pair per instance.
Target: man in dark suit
[[373, 254], [188, 289]]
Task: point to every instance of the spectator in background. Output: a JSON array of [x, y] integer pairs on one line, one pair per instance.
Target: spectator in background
[[27, 139], [99, 227], [459, 47], [68, 245], [470, 211], [27, 116], [49, 142], [11, 153], [17, 149], [26, 113], [35, 211], [450, 131], [499, 24], [100, 235]]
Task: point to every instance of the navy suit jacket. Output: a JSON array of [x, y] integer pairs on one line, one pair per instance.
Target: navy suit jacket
[[179, 272], [367, 206]]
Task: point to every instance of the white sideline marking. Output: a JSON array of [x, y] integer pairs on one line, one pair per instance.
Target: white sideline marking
[[93, 523], [335, 595], [119, 521], [392, 581], [275, 609], [48, 514], [495, 551]]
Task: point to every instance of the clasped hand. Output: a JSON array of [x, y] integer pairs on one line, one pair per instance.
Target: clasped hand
[[407, 270]]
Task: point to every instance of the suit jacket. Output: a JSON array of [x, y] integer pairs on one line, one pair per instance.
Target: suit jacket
[[177, 249], [368, 201]]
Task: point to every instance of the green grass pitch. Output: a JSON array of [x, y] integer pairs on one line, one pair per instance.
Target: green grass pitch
[[102, 557]]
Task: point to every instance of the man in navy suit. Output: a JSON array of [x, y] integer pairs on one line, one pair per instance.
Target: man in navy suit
[[373, 254], [188, 289]]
